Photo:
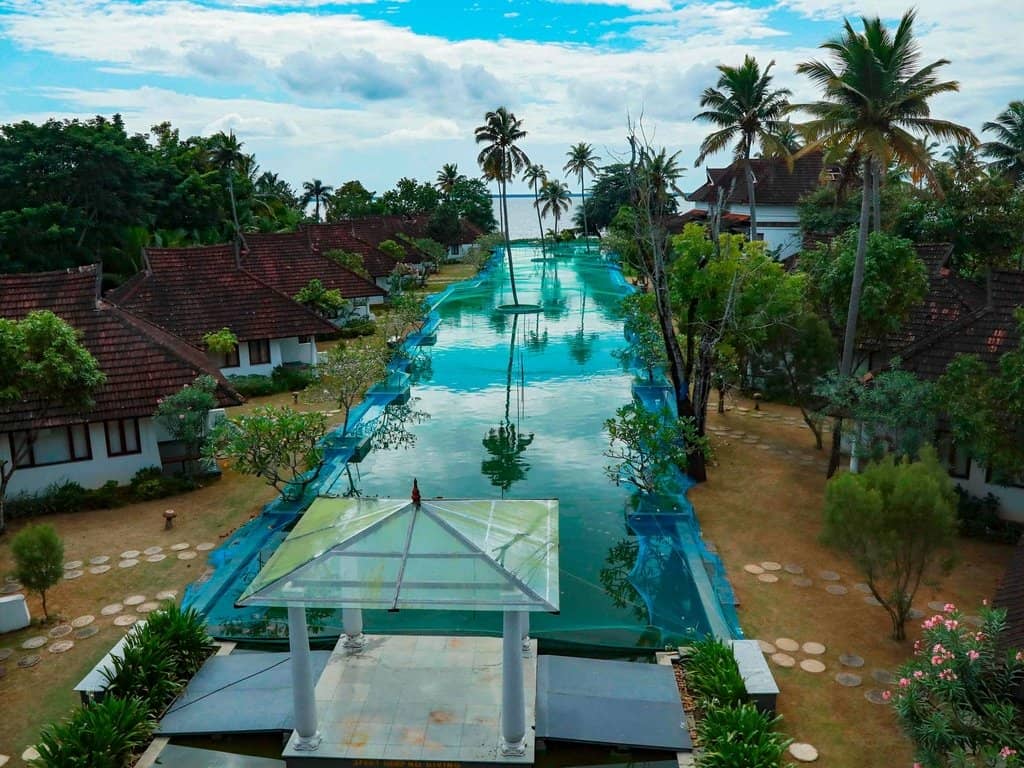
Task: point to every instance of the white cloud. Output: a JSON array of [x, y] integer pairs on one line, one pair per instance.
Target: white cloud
[[635, 5]]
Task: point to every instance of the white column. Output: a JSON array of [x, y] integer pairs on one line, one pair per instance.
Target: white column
[[855, 448], [352, 621], [525, 619], [513, 697], [307, 737]]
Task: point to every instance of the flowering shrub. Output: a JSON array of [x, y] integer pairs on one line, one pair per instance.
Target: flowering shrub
[[955, 697]]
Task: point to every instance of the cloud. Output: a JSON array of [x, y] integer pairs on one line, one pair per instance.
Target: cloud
[[635, 5]]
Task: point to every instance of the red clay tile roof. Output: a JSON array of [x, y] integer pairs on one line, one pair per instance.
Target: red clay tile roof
[[192, 291], [286, 263], [733, 222], [340, 236], [776, 184], [143, 363]]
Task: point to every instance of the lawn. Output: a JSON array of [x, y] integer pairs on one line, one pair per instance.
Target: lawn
[[759, 505]]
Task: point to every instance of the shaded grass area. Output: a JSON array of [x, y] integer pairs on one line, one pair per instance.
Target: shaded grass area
[[761, 506]]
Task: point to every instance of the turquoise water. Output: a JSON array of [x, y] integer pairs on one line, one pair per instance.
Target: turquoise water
[[514, 406]]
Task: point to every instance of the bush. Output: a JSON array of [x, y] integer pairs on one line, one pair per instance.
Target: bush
[[712, 674], [38, 559], [105, 734], [281, 379], [740, 737], [356, 328], [979, 518]]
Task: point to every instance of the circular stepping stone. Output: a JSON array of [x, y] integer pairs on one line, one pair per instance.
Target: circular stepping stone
[[915, 614], [30, 754], [34, 642], [766, 648], [786, 644], [83, 621], [835, 589], [131, 563], [768, 578], [98, 569], [813, 648], [130, 554], [757, 570], [860, 586], [803, 753], [86, 632], [126, 620], [179, 546], [828, 576], [801, 581], [147, 607], [73, 565], [5, 653], [28, 661], [186, 555], [783, 660], [763, 447], [874, 695], [935, 605], [60, 631], [99, 560], [812, 665], [770, 565], [152, 550], [110, 610], [974, 621], [135, 600], [883, 676], [851, 660], [167, 594], [848, 679], [61, 646], [156, 558], [10, 588], [872, 600], [793, 568], [69, 575]]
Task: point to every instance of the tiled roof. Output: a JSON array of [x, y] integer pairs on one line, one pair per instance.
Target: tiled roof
[[340, 236], [776, 184], [732, 222], [286, 263], [192, 291], [1010, 596], [142, 363]]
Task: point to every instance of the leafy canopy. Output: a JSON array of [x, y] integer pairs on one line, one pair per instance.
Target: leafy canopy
[[38, 559]]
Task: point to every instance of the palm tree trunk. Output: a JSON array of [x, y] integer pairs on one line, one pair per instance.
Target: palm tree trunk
[[876, 196], [540, 224], [508, 245], [750, 195], [583, 202]]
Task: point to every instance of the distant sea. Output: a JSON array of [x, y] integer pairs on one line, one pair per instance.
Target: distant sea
[[522, 216]]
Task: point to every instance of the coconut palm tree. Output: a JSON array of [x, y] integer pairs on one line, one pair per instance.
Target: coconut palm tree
[[315, 191], [582, 159], [1007, 151], [502, 159], [745, 108], [783, 142], [447, 178], [875, 108], [225, 152], [963, 162], [536, 175], [555, 200]]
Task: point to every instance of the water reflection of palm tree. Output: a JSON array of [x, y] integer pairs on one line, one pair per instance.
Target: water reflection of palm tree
[[506, 443], [553, 302], [537, 339], [581, 344]]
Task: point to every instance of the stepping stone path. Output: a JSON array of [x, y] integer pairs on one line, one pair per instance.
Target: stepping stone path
[[152, 550], [915, 613], [769, 565], [935, 605], [812, 648], [126, 620], [5, 653], [874, 695], [794, 569], [786, 644], [848, 679], [783, 660], [135, 600], [768, 578], [186, 555], [828, 576], [83, 621], [757, 570], [86, 632], [98, 569], [851, 660], [835, 589], [860, 586], [882, 676], [131, 554], [974, 621], [61, 646], [73, 565], [802, 581], [156, 558], [130, 563], [60, 631], [147, 607], [110, 610], [802, 752], [34, 642], [28, 661], [73, 574], [812, 665], [100, 560], [766, 648], [872, 600], [178, 547], [30, 754], [167, 594]]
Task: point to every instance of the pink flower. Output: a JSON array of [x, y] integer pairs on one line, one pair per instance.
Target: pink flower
[[917, 646], [1007, 752], [918, 674], [951, 623], [948, 608], [984, 601], [917, 765], [937, 661], [886, 695], [904, 682], [973, 655], [1019, 656]]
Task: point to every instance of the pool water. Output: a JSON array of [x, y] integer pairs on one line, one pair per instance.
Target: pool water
[[514, 406]]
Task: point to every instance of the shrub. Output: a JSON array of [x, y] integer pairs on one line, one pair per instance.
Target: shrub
[[356, 328], [38, 559], [105, 734], [281, 379], [712, 674], [740, 737], [979, 518]]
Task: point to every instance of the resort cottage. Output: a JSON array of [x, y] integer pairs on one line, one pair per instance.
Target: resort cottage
[[340, 237], [117, 437]]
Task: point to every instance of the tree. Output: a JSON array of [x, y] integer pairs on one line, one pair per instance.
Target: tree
[[315, 192], [641, 328], [394, 250], [350, 261], [43, 368], [957, 698], [38, 559], [280, 445], [875, 108], [185, 415], [555, 200], [608, 193], [447, 179], [226, 154], [963, 163], [582, 159], [895, 520], [405, 312], [343, 378], [472, 200], [1007, 149], [352, 200], [503, 159], [325, 302], [536, 176], [745, 109], [411, 198]]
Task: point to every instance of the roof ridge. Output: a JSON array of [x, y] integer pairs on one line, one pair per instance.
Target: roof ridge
[[931, 339]]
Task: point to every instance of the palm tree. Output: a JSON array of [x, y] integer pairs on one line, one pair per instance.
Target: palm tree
[[502, 159], [225, 152], [784, 141], [875, 108], [745, 109], [447, 179], [536, 176], [582, 160], [1007, 151], [314, 191], [556, 200], [963, 162]]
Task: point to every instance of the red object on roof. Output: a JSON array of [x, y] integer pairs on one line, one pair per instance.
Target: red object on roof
[[142, 362], [775, 184], [193, 291]]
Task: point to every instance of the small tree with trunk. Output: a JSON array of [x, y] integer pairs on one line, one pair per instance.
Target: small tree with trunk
[[326, 302], [343, 378], [184, 416], [645, 345], [38, 560], [896, 521]]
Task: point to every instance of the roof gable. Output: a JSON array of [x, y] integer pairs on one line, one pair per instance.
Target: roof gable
[[341, 236], [775, 182], [287, 263]]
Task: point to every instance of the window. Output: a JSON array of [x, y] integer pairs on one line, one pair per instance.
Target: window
[[305, 339], [259, 351], [956, 459], [1005, 479], [59, 445], [122, 437], [229, 359]]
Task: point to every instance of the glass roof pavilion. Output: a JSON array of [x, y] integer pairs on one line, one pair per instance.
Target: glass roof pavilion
[[441, 554]]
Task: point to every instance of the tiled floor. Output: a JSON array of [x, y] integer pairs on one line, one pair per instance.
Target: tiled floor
[[417, 698]]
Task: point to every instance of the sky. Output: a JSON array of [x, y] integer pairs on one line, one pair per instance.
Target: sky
[[348, 89]]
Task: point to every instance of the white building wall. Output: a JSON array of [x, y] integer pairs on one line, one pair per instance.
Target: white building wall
[[89, 474], [1011, 498], [286, 350], [785, 240]]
